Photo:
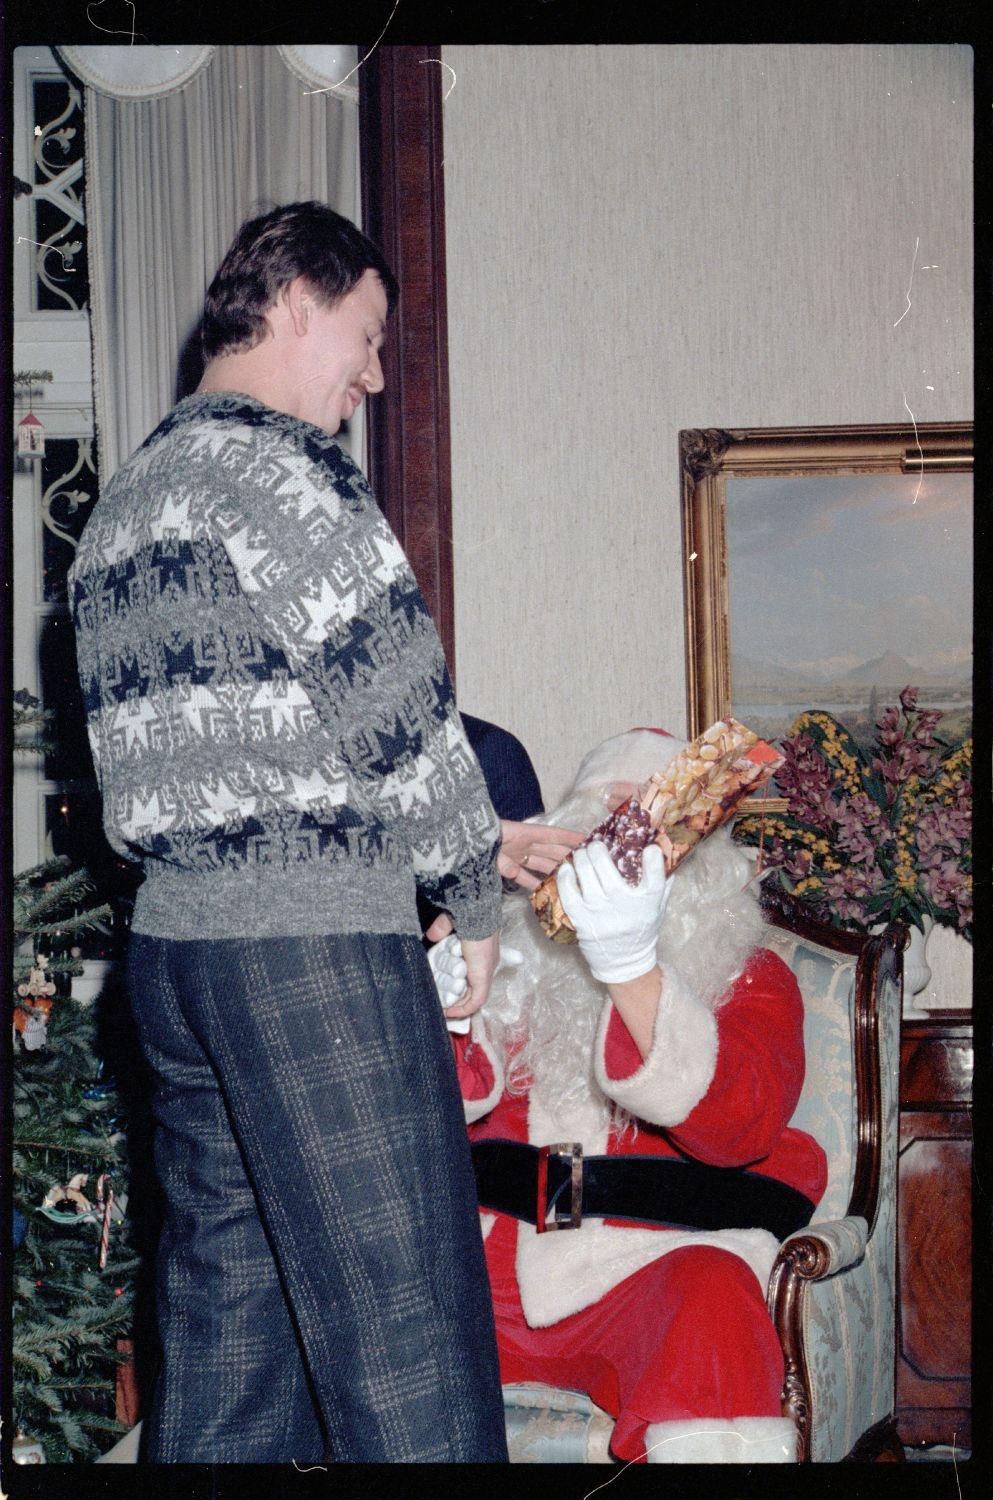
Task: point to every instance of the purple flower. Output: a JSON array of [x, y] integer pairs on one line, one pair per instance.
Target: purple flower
[[853, 840], [923, 730], [910, 770], [806, 780], [945, 884], [870, 815], [850, 888], [888, 730]]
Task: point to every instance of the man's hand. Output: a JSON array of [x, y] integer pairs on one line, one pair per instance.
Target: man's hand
[[451, 964], [617, 924], [481, 956], [529, 851]]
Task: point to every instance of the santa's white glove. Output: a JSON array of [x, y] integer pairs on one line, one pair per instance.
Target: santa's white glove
[[617, 924], [448, 969]]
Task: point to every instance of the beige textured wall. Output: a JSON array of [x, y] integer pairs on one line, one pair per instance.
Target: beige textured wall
[[647, 238]]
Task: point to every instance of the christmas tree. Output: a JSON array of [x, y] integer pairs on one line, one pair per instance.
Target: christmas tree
[[74, 1267]]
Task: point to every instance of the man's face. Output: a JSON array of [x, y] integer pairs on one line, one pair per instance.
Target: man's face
[[338, 356]]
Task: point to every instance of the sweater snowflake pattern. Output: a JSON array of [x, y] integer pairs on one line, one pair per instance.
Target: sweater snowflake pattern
[[272, 721]]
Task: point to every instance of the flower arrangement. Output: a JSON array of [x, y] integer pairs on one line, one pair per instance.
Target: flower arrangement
[[878, 837]]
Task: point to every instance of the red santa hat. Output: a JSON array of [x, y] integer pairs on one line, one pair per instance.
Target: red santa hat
[[634, 756]]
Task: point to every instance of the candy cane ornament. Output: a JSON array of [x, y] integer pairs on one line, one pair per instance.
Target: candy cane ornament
[[105, 1196]]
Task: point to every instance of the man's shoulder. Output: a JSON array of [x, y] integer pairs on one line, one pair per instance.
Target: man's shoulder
[[237, 425]]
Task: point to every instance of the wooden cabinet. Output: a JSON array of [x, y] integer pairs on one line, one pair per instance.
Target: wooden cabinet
[[933, 1368]]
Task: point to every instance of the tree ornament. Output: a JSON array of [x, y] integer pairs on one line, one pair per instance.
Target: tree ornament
[[31, 1023], [31, 1016], [31, 436], [37, 982], [27, 1450], [105, 1203], [67, 1203]]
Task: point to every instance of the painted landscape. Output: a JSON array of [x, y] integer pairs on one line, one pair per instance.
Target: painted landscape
[[845, 589], [769, 698]]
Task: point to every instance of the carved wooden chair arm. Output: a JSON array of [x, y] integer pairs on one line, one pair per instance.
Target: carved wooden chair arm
[[812, 1254], [819, 1250]]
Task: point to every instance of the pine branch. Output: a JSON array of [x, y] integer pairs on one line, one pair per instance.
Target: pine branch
[[36, 746], [34, 905], [96, 1149], [30, 1360], [81, 1385], [83, 921], [33, 721]]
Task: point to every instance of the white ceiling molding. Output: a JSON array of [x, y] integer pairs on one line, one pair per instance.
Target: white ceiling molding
[[138, 72], [330, 68]]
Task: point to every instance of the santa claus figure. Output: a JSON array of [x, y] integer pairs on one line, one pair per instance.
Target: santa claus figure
[[661, 1056]]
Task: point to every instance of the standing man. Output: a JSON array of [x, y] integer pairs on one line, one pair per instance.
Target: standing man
[[276, 740]]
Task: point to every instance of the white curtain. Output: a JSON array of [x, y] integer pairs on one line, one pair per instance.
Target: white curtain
[[168, 182]]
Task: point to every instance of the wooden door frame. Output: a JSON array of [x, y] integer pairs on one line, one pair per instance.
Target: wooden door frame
[[403, 206]]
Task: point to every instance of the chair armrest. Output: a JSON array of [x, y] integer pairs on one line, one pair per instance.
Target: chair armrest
[[822, 1249], [811, 1255]]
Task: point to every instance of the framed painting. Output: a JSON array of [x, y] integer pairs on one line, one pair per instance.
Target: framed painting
[[827, 567]]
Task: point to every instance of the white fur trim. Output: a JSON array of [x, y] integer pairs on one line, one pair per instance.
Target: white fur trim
[[711, 1440], [565, 1270], [475, 1109], [680, 1066]]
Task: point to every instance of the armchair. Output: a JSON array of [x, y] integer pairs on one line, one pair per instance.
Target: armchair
[[832, 1291]]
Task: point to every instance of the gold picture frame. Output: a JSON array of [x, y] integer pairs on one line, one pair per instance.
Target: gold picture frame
[[712, 459]]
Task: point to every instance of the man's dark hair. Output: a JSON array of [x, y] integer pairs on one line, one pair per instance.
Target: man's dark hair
[[296, 239]]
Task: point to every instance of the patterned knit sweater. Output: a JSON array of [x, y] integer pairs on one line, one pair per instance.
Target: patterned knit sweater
[[271, 718]]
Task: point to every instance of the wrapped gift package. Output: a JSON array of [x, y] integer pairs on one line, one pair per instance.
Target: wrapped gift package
[[695, 793]]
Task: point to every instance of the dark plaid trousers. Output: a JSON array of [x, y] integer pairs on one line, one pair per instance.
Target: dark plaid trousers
[[321, 1287]]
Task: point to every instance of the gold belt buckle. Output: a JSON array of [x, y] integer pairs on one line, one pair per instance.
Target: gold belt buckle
[[553, 1218]]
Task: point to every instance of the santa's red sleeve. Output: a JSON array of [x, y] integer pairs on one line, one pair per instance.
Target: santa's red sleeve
[[723, 1083], [479, 1070]]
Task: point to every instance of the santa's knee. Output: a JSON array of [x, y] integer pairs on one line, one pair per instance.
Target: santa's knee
[[719, 1356], [714, 1299]]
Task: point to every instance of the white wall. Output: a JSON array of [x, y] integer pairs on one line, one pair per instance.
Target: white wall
[[646, 238]]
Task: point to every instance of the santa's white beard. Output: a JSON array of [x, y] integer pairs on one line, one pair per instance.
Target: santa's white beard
[[545, 1013]]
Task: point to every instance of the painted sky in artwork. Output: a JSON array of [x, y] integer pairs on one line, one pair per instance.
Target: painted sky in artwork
[[826, 573]]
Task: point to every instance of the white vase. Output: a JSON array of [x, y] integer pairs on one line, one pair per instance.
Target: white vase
[[916, 970]]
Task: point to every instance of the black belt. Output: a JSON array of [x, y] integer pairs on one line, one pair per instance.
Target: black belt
[[556, 1187]]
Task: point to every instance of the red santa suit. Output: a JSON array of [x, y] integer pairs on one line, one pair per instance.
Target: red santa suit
[[666, 1329]]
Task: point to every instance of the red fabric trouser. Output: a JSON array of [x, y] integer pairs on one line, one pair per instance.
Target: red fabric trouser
[[686, 1336]]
